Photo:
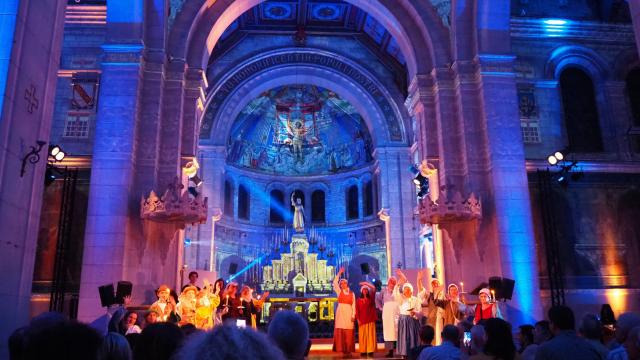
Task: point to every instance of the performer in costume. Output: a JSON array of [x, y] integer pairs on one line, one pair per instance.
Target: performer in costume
[[186, 307], [206, 304], [486, 309], [410, 312], [386, 303], [165, 306], [432, 314], [231, 302], [454, 307], [367, 317], [250, 308], [218, 287], [343, 333]]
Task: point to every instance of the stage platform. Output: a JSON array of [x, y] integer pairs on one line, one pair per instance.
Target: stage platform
[[321, 349]]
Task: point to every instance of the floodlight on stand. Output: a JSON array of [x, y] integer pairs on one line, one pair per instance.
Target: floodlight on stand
[[552, 159], [558, 155], [54, 150], [59, 156]]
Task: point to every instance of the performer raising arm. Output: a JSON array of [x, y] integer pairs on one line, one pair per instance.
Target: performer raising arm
[[410, 312], [343, 333]]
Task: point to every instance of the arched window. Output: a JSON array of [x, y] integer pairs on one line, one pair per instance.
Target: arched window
[[352, 203], [633, 91], [297, 194], [276, 207], [368, 198], [317, 206], [243, 203], [228, 199], [580, 111]]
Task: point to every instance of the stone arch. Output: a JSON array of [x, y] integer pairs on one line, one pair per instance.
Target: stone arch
[[577, 56], [380, 107], [422, 38]]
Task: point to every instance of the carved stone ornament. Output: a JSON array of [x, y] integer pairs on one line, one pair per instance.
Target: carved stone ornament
[[444, 210], [175, 206]]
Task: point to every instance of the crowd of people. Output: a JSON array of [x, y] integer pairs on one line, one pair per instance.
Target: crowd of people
[[216, 322]]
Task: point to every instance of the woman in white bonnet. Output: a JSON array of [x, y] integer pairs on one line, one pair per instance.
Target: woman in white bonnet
[[410, 313]]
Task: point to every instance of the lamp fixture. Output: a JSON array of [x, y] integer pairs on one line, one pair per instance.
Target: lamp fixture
[[32, 156]]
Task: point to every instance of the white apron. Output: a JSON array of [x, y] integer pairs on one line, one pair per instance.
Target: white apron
[[390, 313]]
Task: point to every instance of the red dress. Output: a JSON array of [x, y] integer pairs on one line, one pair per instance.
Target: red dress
[[483, 314], [343, 334]]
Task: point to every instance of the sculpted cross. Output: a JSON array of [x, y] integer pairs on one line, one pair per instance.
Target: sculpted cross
[[32, 100]]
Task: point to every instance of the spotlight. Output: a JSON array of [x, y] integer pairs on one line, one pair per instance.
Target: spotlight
[[552, 160], [196, 180], [192, 190], [56, 153], [187, 242], [559, 156]]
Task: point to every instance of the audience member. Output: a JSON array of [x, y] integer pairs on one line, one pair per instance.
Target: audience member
[[630, 349], [228, 342], [290, 332], [447, 350], [625, 323], [541, 334], [592, 329], [478, 339], [566, 344], [158, 341], [115, 347], [426, 337], [128, 324], [150, 317], [499, 344], [67, 340], [525, 337]]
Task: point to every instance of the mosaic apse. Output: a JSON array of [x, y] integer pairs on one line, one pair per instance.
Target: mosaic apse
[[299, 130]]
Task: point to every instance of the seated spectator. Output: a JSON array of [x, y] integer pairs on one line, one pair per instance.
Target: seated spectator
[[67, 340], [499, 344], [227, 342], [128, 324], [290, 332], [566, 344], [426, 337], [592, 329], [525, 337], [115, 347], [447, 350], [158, 341]]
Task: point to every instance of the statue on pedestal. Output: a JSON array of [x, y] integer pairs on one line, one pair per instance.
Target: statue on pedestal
[[298, 214]]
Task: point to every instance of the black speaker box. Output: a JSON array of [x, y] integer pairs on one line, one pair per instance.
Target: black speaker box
[[123, 289], [503, 287], [106, 295], [364, 267]]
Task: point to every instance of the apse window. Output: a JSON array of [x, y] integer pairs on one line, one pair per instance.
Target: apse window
[[77, 126]]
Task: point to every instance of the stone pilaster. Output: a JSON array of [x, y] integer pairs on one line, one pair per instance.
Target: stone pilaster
[[171, 128], [193, 107], [398, 199], [110, 202], [516, 251]]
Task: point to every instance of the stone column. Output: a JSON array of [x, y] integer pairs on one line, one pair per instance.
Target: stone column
[[398, 197], [112, 172], [620, 118], [510, 191], [171, 128], [421, 105], [31, 37], [212, 160], [192, 110]]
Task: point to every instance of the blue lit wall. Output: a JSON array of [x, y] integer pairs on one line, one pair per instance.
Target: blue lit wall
[[8, 13]]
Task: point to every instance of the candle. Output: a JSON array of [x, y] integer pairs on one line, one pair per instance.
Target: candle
[[493, 295], [227, 304], [461, 287]]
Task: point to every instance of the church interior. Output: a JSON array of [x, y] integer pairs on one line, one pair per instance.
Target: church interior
[[273, 142]]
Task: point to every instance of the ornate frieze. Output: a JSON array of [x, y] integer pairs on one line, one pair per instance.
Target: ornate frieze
[[298, 57], [175, 206], [444, 210]]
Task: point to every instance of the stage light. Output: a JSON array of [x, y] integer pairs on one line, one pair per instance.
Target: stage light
[[552, 160], [60, 156], [54, 150], [558, 155], [55, 153], [187, 242]]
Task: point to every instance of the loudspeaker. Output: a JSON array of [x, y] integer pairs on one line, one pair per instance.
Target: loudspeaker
[[106, 295], [123, 289], [364, 267], [503, 287], [233, 268]]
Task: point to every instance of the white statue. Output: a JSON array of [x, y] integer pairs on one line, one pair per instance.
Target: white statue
[[298, 214]]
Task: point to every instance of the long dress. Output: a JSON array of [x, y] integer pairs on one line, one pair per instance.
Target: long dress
[[367, 317], [390, 312], [408, 325], [298, 216], [343, 334]]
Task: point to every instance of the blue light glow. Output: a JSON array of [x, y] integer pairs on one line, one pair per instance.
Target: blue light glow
[[8, 12], [555, 27], [244, 269], [555, 22]]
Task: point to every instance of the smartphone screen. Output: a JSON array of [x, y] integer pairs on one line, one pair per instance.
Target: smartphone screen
[[467, 338], [241, 323]]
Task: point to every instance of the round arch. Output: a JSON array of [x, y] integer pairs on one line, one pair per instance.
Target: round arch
[[384, 114], [576, 56], [421, 36]]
